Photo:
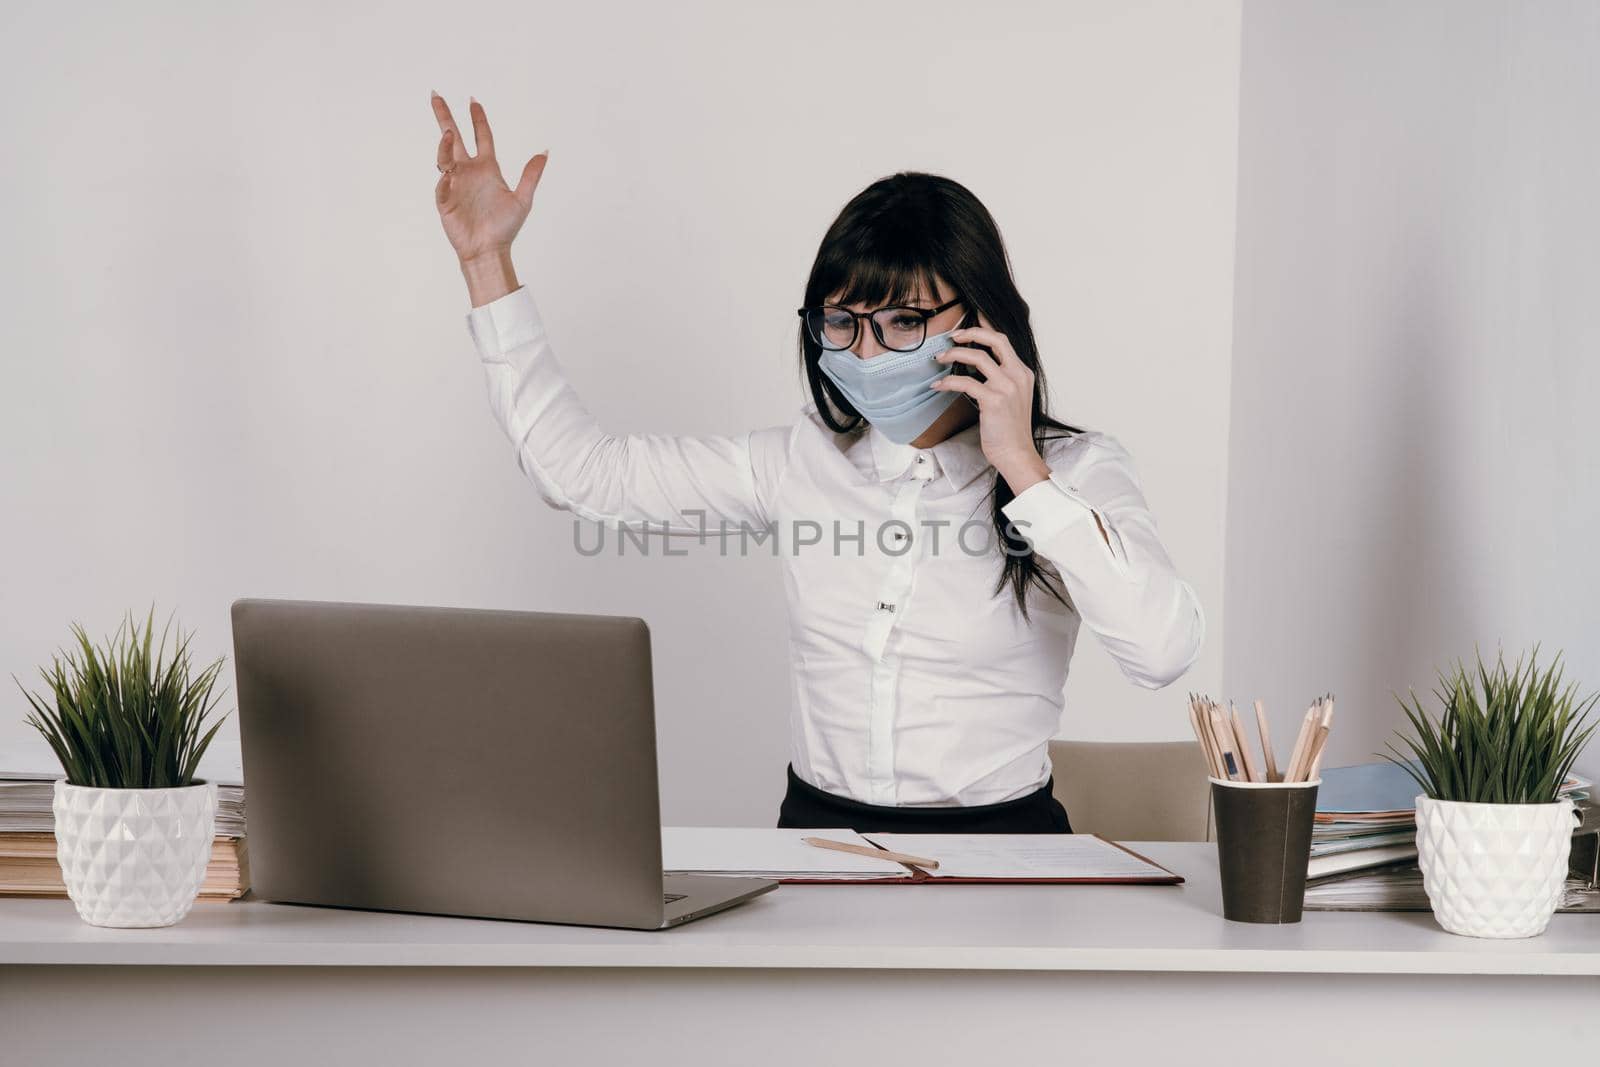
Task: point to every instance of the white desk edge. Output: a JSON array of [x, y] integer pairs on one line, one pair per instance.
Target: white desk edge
[[924, 928]]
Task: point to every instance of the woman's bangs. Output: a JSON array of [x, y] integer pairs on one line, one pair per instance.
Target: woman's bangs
[[875, 282]]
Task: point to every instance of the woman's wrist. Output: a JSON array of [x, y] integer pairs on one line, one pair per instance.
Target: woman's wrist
[[1023, 472], [489, 276]]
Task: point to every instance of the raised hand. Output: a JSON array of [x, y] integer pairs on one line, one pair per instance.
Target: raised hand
[[480, 212]]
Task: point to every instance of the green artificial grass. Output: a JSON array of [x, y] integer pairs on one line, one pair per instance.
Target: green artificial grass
[[122, 720], [1505, 736]]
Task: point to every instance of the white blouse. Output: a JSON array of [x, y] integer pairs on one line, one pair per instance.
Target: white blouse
[[915, 682]]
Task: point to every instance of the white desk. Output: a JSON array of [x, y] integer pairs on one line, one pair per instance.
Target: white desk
[[953, 974]]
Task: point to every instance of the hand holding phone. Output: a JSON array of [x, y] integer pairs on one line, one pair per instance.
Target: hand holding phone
[[969, 320]]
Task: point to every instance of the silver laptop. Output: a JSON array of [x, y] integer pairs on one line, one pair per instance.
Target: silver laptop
[[493, 764]]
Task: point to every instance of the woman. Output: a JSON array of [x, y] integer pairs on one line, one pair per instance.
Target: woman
[[942, 536]]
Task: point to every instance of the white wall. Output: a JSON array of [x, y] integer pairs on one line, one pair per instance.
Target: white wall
[[1414, 431], [235, 361]]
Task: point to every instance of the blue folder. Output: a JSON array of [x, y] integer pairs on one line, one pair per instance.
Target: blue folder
[[1384, 786], [1366, 787]]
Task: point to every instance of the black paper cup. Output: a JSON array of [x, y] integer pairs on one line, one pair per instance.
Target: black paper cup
[[1263, 847]]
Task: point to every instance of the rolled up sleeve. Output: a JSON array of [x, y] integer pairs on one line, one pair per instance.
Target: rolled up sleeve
[[1124, 585]]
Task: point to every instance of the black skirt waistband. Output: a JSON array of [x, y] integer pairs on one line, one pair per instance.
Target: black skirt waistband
[[806, 806]]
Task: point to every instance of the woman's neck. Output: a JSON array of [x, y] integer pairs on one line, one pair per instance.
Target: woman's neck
[[956, 417]]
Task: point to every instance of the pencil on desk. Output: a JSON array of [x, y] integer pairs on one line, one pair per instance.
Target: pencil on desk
[[874, 852]]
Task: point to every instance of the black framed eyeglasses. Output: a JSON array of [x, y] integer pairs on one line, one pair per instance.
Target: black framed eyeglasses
[[898, 328]]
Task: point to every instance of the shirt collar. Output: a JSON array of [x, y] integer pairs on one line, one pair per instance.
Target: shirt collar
[[890, 460], [960, 456]]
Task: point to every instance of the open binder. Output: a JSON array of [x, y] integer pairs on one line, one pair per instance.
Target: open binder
[[964, 859]]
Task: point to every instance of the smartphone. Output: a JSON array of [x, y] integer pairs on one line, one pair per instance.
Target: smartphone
[[970, 319]]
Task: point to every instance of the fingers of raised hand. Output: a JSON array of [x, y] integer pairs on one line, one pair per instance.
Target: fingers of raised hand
[[1004, 372], [447, 124], [978, 335], [446, 150], [482, 138], [978, 391], [985, 334], [532, 171], [972, 357]]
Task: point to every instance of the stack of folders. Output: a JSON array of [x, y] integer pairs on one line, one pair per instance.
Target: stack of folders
[[1366, 817], [844, 856], [1364, 840], [1399, 888], [28, 864]]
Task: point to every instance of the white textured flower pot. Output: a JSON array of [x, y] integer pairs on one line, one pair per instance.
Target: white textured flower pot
[[1493, 870], [134, 857]]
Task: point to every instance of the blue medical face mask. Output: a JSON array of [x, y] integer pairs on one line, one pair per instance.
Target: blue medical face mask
[[894, 390]]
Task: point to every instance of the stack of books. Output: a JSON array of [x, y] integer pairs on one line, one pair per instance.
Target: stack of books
[[1364, 843], [28, 864]]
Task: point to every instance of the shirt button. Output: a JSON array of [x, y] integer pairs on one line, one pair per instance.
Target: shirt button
[[922, 457]]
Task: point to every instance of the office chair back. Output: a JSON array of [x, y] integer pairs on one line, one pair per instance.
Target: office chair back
[[1134, 791]]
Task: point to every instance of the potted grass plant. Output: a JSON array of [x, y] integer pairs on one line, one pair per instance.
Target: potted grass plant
[[1493, 830], [133, 824]]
